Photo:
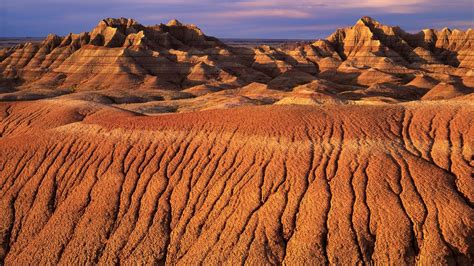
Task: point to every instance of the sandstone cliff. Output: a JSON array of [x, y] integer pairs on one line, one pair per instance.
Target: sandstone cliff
[[166, 60]]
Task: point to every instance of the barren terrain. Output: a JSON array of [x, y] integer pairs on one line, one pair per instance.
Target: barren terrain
[[160, 145]]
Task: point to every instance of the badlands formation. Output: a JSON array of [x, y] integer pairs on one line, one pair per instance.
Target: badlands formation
[[135, 144]]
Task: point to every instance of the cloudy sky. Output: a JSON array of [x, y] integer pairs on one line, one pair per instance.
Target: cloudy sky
[[297, 19]]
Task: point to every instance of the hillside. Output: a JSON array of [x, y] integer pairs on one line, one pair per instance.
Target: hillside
[[175, 67]]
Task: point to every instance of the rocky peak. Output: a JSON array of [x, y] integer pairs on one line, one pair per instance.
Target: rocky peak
[[51, 42], [366, 20], [368, 37], [119, 22], [174, 22], [52, 38]]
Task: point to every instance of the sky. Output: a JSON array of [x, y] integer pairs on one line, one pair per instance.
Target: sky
[[288, 19]]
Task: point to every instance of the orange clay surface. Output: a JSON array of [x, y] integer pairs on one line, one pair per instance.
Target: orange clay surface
[[88, 183]]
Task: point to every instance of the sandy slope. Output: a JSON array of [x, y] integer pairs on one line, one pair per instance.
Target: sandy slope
[[82, 182]]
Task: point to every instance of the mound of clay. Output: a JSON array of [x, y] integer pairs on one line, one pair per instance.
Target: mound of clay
[[445, 91], [374, 76], [309, 98], [423, 82]]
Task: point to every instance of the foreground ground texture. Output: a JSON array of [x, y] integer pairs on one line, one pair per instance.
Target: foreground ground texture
[[82, 182]]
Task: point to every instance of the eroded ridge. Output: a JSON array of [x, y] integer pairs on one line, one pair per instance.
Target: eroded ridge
[[293, 184], [177, 68]]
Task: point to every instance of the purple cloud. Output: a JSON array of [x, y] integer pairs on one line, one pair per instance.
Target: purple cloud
[[226, 18]]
